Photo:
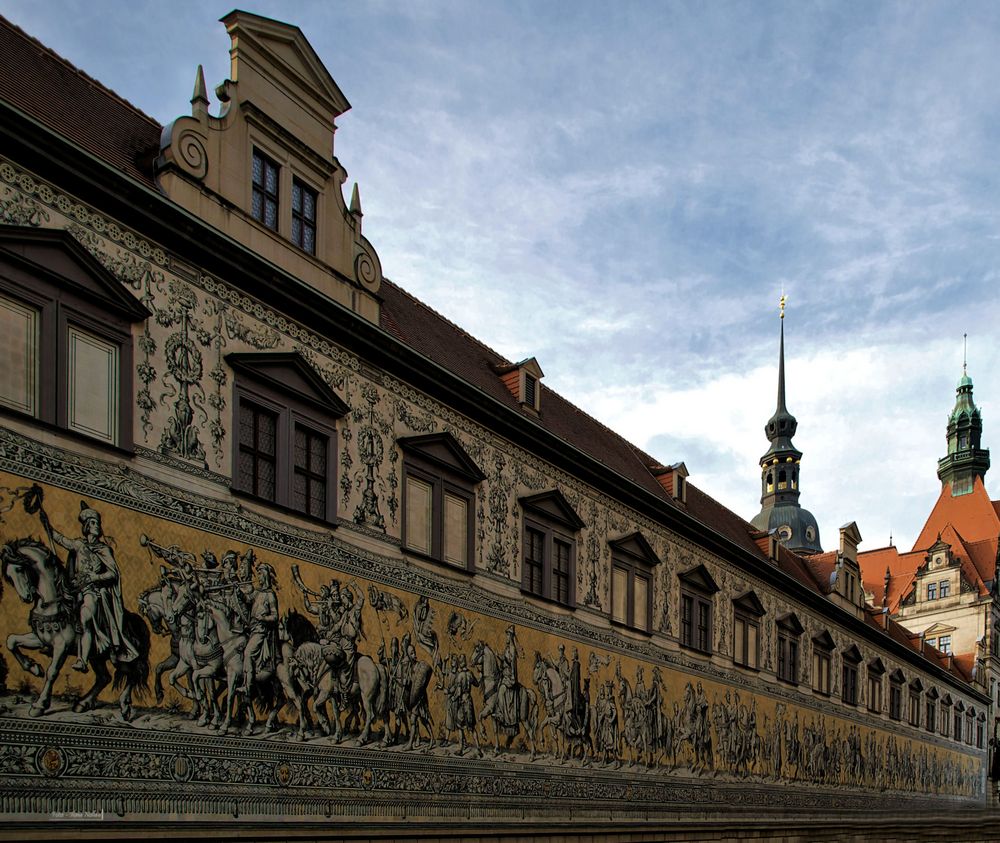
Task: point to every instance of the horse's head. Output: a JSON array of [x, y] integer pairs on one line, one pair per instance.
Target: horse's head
[[25, 561], [203, 624], [477, 653]]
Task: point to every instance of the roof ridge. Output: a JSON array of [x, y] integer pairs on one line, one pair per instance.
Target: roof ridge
[[445, 319], [83, 75]]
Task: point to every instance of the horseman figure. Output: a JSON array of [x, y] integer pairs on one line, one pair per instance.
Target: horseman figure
[[96, 581], [261, 648]]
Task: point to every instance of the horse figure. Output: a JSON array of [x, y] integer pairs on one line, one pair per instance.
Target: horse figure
[[554, 700], [153, 605], [39, 578], [633, 715], [525, 702]]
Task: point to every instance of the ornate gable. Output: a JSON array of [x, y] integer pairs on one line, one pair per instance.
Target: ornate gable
[[636, 546], [700, 579], [553, 506], [289, 373], [443, 450]]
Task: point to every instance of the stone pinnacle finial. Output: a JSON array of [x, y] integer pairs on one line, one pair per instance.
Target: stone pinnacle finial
[[356, 201], [199, 99]]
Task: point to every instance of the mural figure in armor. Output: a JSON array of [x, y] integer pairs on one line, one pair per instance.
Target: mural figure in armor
[[76, 609]]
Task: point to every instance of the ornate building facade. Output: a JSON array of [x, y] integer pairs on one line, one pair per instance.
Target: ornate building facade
[[279, 542]]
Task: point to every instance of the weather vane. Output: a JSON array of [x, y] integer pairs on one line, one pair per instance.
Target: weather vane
[[965, 354]]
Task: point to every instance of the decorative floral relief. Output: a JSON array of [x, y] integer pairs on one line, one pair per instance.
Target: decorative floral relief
[[21, 210], [373, 426]]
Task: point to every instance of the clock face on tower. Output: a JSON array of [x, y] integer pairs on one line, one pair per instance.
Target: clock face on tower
[[810, 534], [784, 532]]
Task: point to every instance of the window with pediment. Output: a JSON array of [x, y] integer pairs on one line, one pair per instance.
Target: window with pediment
[[439, 499], [896, 681], [285, 447], [876, 679], [916, 691], [548, 561], [944, 718], [930, 719], [65, 336], [789, 637], [747, 614], [632, 564], [850, 659], [822, 647], [697, 592]]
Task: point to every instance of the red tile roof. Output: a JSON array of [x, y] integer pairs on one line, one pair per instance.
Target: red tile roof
[[84, 111], [822, 566], [973, 515]]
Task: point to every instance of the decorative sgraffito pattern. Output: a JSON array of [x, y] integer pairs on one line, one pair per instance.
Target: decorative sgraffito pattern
[[444, 673]]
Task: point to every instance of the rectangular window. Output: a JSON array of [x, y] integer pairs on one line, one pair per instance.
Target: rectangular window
[[821, 670], [704, 631], [418, 514], [849, 691], [945, 588], [914, 709], [874, 692], [957, 721], [788, 658], [932, 591], [456, 530], [303, 217], [968, 729], [687, 620], [258, 450], [265, 190], [895, 701], [932, 642], [310, 472], [945, 720], [746, 641], [931, 720], [18, 356], [92, 385], [560, 571], [980, 734], [944, 644], [534, 561], [630, 593]]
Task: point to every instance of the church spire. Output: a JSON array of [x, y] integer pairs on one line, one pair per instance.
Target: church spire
[[966, 458], [780, 509]]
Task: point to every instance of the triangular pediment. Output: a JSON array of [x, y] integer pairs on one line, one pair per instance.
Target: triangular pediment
[[824, 640], [286, 53], [876, 666], [852, 654], [938, 629], [289, 373], [553, 506], [57, 256], [932, 694], [699, 578], [946, 700], [444, 451], [960, 706], [636, 546], [791, 623], [916, 685], [897, 676], [750, 604]]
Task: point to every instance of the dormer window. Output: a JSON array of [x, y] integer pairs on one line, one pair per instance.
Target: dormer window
[[521, 379], [304, 217], [265, 190]]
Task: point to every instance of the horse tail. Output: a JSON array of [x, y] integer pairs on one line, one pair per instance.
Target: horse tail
[[135, 674]]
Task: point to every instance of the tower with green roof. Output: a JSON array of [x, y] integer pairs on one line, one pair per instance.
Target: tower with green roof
[[966, 458]]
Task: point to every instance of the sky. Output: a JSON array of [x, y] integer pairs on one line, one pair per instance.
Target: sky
[[623, 191]]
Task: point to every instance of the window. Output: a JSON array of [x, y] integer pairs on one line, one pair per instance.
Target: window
[[876, 671], [945, 588], [303, 217], [957, 723], [439, 499], [548, 568], [945, 716], [914, 708], [285, 448], [632, 561], [896, 696], [944, 644], [789, 630], [980, 732], [65, 336], [822, 650], [264, 206], [969, 734], [851, 658], [747, 612], [930, 722], [697, 595], [932, 642], [932, 591]]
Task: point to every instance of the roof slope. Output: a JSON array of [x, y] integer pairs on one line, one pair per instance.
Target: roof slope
[[87, 113]]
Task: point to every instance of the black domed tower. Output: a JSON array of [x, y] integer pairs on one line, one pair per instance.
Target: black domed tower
[[780, 511]]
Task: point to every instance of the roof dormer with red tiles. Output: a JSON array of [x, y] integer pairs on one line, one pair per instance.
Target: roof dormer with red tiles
[[523, 381]]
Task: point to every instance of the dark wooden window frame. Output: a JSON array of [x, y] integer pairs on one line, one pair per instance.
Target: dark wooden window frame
[[748, 611], [440, 462], [850, 672], [697, 600], [896, 682], [876, 678], [789, 647], [305, 402], [822, 652], [260, 189], [305, 223], [944, 717], [52, 274], [550, 516], [634, 556], [931, 723], [916, 690]]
